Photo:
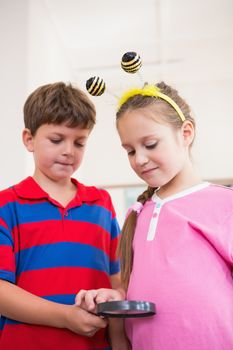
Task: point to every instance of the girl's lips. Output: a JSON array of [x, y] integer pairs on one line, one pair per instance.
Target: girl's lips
[[147, 171]]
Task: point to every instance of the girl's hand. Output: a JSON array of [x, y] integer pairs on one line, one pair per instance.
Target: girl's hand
[[88, 299]]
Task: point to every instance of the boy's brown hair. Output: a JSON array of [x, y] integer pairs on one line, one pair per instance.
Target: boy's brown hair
[[58, 103]]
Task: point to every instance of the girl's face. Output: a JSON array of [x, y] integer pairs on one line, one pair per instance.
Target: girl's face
[[58, 150], [157, 153]]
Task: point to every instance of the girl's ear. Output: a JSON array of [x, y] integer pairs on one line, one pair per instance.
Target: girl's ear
[[188, 132], [28, 140]]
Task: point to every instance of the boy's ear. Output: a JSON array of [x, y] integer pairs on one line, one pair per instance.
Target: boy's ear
[[188, 132], [28, 140]]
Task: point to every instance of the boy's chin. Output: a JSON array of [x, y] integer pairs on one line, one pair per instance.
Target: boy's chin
[[60, 177]]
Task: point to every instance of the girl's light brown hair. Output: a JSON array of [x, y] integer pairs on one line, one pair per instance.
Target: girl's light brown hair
[[168, 114], [58, 103]]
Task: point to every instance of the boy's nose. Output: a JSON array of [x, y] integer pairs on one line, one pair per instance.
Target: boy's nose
[[68, 148]]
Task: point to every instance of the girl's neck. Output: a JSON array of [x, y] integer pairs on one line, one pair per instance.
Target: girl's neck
[[187, 178]]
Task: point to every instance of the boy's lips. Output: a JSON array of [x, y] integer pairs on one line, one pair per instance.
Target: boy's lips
[[65, 164]]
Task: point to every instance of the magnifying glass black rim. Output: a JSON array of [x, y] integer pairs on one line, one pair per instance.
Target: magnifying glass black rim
[[135, 308]]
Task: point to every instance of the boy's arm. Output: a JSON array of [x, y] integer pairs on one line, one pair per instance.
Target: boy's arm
[[20, 305]]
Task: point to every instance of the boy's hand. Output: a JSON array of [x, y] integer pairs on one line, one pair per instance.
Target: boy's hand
[[82, 322], [88, 299]]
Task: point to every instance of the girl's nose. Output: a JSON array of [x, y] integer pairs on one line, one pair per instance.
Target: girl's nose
[[141, 159]]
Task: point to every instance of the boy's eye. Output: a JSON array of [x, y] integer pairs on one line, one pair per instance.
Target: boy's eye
[[78, 144], [56, 141], [131, 153]]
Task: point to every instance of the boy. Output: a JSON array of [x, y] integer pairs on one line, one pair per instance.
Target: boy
[[57, 236]]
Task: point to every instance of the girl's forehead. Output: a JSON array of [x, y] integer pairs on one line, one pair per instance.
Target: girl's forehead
[[144, 116], [139, 126]]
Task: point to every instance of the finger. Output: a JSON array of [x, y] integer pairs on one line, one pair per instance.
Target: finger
[[101, 299], [90, 299], [102, 322], [80, 297], [91, 333], [98, 321]]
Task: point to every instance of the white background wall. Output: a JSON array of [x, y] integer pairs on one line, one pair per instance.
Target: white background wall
[[34, 52], [13, 88]]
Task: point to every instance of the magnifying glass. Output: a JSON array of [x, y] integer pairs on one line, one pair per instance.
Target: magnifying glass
[[126, 309]]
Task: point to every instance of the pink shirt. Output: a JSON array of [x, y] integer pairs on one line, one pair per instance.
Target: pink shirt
[[183, 257]]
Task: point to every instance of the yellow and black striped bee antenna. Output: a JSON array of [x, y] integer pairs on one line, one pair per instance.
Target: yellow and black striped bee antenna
[[95, 86], [131, 63]]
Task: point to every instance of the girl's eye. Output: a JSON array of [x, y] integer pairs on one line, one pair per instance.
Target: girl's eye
[[151, 146]]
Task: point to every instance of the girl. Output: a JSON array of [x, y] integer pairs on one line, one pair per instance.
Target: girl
[[177, 241]]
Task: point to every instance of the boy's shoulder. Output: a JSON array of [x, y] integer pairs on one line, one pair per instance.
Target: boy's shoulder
[[94, 196], [9, 194], [91, 193], [25, 189], [28, 190]]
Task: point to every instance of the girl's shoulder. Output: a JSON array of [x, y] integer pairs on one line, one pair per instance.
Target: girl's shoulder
[[215, 199], [220, 192], [212, 195]]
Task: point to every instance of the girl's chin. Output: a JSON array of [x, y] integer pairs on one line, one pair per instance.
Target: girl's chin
[[155, 184]]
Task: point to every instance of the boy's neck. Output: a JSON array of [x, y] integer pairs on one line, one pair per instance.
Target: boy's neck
[[61, 191]]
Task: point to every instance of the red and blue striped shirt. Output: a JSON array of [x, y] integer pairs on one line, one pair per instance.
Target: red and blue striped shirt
[[53, 252]]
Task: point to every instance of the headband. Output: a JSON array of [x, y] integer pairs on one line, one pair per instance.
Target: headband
[[131, 63], [154, 91]]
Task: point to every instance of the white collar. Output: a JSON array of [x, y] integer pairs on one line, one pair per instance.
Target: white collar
[[156, 198]]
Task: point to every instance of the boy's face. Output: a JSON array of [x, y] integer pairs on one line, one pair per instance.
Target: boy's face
[[58, 150]]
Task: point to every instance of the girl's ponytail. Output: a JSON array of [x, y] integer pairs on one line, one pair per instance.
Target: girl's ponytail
[[125, 249]]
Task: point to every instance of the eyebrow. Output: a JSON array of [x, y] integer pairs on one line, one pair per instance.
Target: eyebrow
[[145, 138], [125, 145], [58, 134]]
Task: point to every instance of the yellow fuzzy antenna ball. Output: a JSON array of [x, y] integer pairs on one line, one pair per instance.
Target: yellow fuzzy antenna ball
[[147, 90]]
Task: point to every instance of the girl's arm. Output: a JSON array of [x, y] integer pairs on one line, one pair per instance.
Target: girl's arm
[[89, 299], [117, 334], [20, 305]]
